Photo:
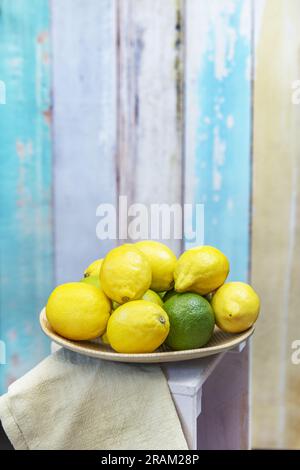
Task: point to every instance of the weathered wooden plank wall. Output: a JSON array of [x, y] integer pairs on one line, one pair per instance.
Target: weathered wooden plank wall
[[150, 119], [152, 100], [218, 122], [26, 178], [218, 174], [276, 227], [84, 129]]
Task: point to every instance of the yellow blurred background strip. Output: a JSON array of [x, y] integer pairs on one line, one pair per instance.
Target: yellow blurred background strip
[[276, 224]]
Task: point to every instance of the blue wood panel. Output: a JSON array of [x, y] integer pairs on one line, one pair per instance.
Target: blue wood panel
[[218, 123], [84, 129], [218, 175], [25, 189]]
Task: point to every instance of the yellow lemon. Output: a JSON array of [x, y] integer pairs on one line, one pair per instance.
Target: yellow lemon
[[104, 338], [202, 270], [149, 295], [152, 296], [236, 306], [162, 294], [137, 327], [162, 261], [93, 280], [78, 311], [125, 274], [94, 268]]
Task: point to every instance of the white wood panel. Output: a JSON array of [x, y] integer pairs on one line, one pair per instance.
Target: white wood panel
[[224, 419], [150, 102], [84, 97]]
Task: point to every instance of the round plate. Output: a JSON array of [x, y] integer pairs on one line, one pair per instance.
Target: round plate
[[219, 343]]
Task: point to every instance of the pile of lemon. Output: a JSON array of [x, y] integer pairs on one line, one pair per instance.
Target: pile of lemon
[[141, 296]]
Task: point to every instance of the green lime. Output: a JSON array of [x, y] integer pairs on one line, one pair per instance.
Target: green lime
[[93, 280], [192, 321]]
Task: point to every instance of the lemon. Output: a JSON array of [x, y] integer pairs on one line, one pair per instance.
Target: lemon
[[152, 296], [137, 327], [236, 306], [125, 274], [162, 294], [191, 321], [93, 280], [94, 268], [202, 270], [162, 261], [78, 311], [104, 338], [149, 295]]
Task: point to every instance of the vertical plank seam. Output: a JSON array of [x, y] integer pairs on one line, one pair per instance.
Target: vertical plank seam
[[183, 116], [134, 109], [52, 149], [286, 301], [251, 156], [118, 117]]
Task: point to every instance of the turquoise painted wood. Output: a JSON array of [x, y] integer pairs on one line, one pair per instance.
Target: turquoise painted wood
[[218, 175], [218, 123], [25, 183]]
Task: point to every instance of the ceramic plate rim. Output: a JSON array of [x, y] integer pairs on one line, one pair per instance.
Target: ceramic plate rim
[[155, 357]]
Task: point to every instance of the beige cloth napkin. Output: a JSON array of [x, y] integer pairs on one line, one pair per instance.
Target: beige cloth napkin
[[69, 401]]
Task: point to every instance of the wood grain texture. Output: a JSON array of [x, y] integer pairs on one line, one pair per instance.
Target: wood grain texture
[[218, 172], [225, 406], [276, 228], [150, 102], [25, 189], [84, 94], [218, 123]]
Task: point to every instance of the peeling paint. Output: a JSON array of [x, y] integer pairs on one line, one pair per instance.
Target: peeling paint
[[219, 152], [230, 121], [24, 149], [48, 116], [178, 64], [154, 140], [42, 37], [218, 128], [25, 190]]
